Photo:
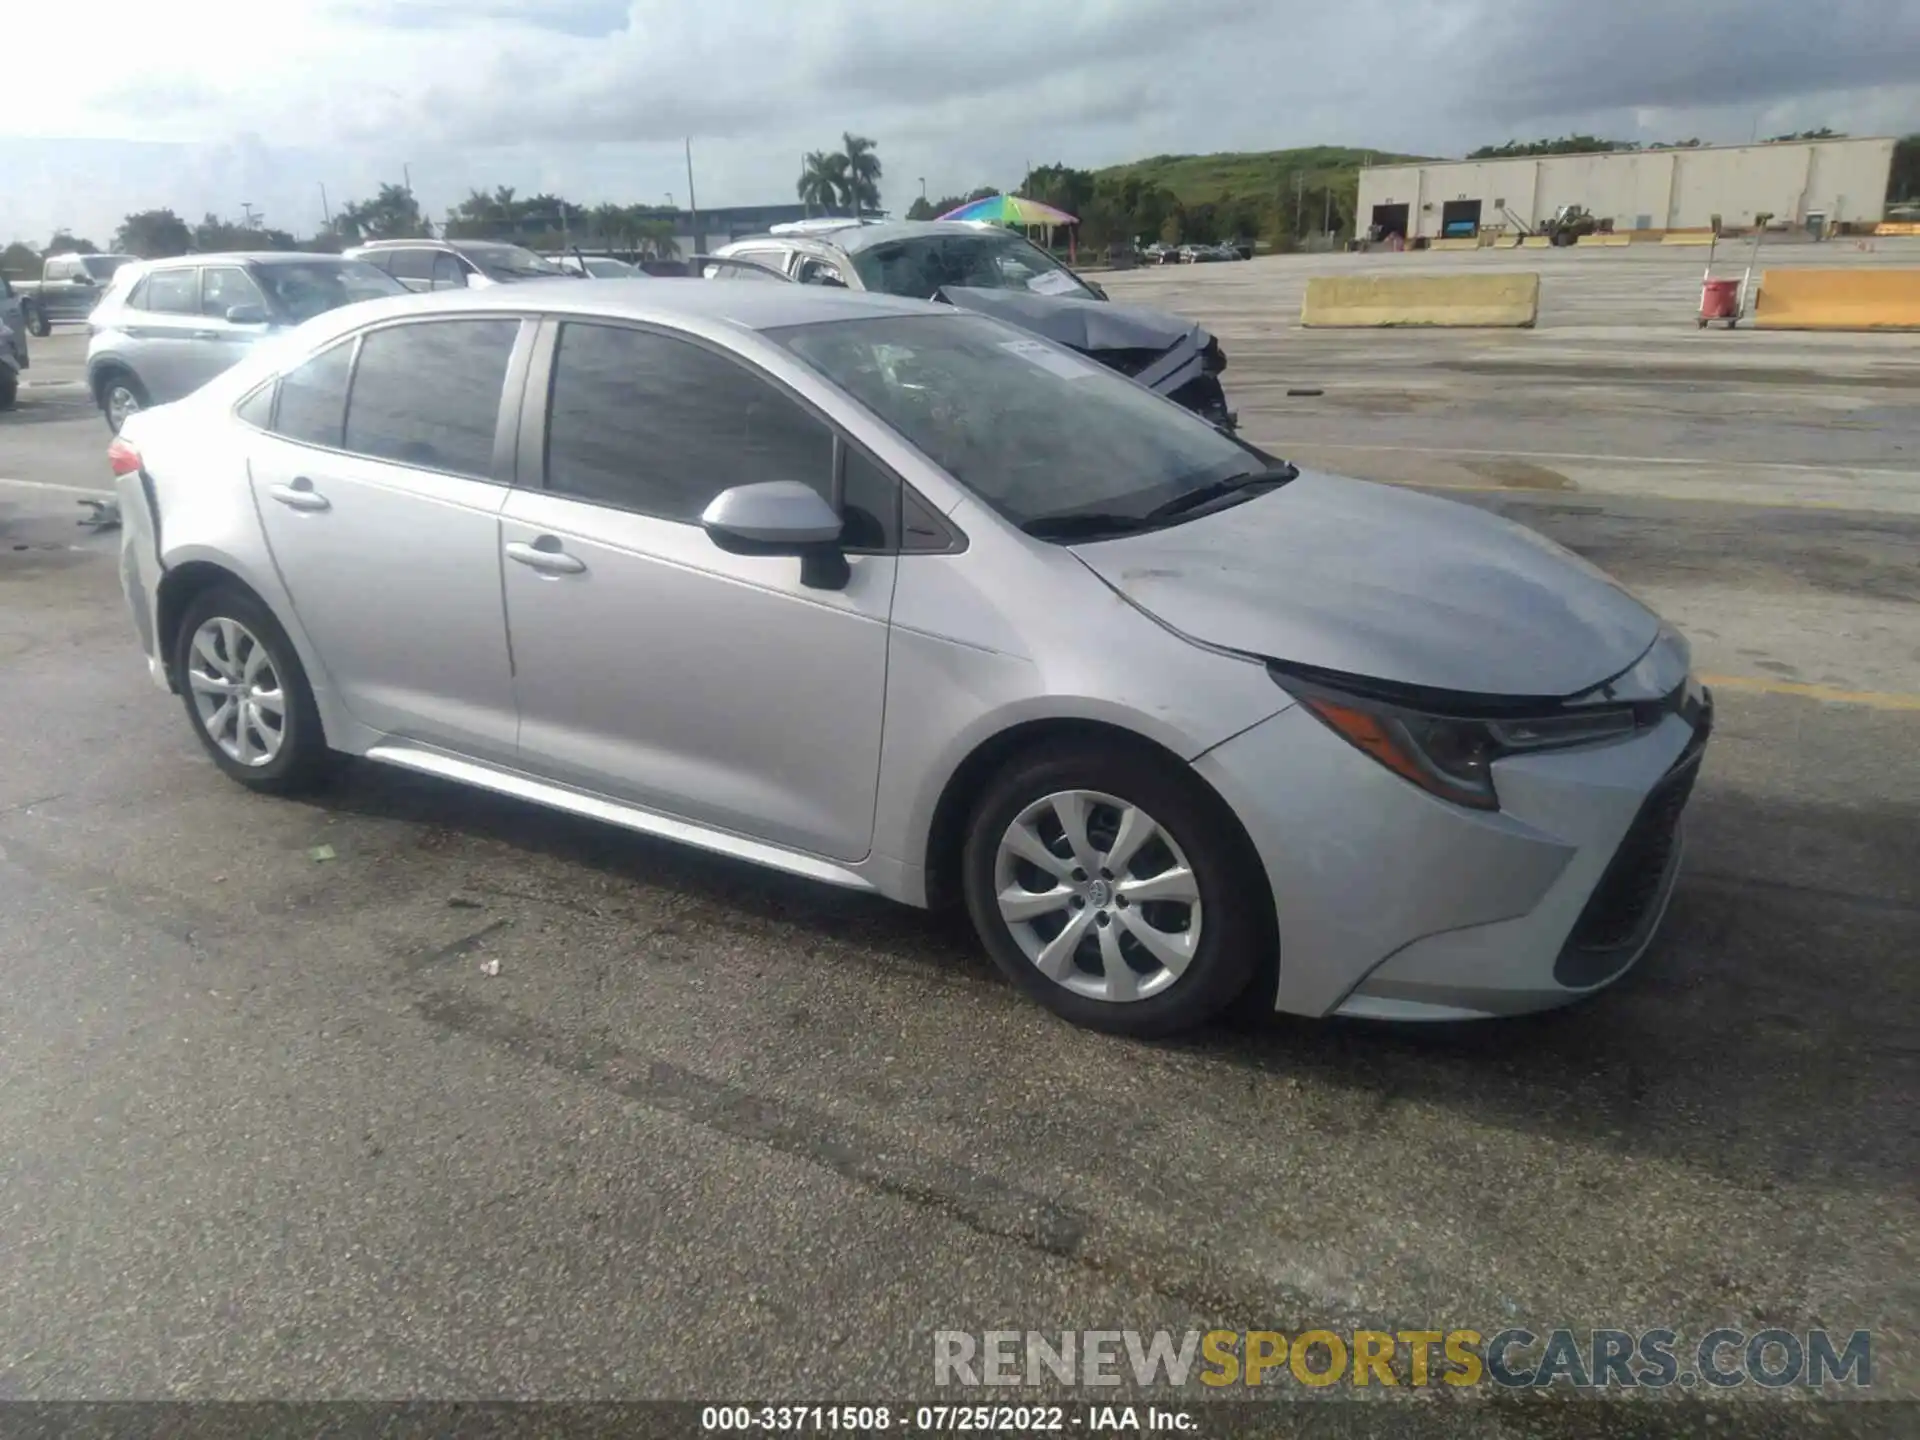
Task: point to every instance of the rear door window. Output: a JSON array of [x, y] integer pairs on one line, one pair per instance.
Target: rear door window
[[173, 292], [427, 394], [313, 399]]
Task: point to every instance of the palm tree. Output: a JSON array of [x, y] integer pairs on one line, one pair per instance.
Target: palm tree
[[819, 182], [860, 181]]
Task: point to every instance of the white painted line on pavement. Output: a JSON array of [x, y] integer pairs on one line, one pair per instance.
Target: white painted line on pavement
[[59, 489]]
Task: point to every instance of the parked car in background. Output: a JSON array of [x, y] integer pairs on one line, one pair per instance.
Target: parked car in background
[[457, 264], [991, 270], [889, 596], [596, 267], [166, 327], [11, 364], [13, 321], [67, 290]]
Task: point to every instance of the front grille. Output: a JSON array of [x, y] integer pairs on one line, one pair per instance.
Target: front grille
[[1625, 904]]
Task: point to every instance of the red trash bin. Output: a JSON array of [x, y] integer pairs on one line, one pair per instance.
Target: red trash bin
[[1719, 300]]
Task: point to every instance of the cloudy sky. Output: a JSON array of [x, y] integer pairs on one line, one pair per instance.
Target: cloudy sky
[[205, 104]]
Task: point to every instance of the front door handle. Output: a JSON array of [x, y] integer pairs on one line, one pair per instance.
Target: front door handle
[[546, 556], [300, 495], [206, 334]]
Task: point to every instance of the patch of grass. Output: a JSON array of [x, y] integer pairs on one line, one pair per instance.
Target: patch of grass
[[1200, 179]]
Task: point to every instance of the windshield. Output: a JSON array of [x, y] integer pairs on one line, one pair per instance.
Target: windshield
[[510, 262], [302, 289], [101, 267], [608, 269], [1037, 432], [985, 259]]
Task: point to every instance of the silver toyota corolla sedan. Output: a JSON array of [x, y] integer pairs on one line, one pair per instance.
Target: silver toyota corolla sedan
[[906, 600]]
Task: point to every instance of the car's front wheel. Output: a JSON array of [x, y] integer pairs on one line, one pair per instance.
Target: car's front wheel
[[36, 320], [246, 692], [1113, 886]]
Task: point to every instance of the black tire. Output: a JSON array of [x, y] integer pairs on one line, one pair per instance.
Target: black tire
[[303, 760], [1237, 926], [103, 391], [38, 325]]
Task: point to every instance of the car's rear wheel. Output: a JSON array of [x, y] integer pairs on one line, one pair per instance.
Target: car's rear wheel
[[1111, 885], [247, 694], [38, 325], [121, 396]]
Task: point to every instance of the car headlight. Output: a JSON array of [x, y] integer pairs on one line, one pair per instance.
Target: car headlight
[[1452, 756]]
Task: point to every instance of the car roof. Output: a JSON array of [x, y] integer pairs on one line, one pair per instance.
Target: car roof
[[856, 236], [244, 257], [747, 304]]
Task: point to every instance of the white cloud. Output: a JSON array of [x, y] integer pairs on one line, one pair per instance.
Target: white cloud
[[204, 104]]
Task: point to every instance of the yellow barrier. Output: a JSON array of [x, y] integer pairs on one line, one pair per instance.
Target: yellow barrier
[[1455, 242], [1687, 237], [1897, 227], [1471, 301], [1839, 300], [1536, 242], [1597, 239]]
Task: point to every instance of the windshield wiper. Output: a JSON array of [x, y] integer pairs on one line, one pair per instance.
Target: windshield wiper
[[1088, 525], [1217, 489]]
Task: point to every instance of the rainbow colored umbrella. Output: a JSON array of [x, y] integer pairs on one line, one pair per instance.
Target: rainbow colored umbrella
[[1011, 210]]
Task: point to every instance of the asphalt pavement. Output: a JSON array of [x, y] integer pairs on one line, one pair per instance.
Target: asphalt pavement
[[406, 1091]]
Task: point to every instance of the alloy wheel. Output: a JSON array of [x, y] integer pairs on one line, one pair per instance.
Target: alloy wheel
[[237, 692], [1098, 895], [121, 403]]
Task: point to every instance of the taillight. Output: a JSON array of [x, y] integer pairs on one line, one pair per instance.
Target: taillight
[[123, 458]]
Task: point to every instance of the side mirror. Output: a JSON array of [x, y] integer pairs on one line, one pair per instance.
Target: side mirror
[[246, 315], [781, 517], [1099, 292], [83, 279]]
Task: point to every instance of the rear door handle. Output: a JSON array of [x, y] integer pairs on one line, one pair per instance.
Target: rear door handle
[[300, 495], [546, 556], [206, 334]]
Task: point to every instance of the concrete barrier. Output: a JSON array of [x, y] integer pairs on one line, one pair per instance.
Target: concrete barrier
[[1860, 299], [1536, 242], [1455, 242], [1506, 301], [1687, 237], [1897, 227], [1598, 239]]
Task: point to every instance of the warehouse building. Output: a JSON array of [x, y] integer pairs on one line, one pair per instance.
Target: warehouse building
[[1815, 184]]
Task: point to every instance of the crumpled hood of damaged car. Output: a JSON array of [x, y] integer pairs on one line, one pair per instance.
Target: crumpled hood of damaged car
[[1087, 325], [1386, 583]]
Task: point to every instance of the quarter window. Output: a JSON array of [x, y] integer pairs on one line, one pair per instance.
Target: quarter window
[[658, 425], [428, 394], [257, 409], [173, 292], [313, 398]]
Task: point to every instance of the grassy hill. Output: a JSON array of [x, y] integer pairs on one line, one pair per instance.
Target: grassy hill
[[1200, 179]]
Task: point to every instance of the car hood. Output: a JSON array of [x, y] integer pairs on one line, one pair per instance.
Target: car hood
[[1386, 583], [1080, 324]]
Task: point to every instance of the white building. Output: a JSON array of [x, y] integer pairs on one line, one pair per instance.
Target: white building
[[1801, 183]]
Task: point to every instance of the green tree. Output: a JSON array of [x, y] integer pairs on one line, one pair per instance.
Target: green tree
[[822, 183], [65, 242], [20, 261], [392, 214], [153, 235], [214, 233], [921, 209], [1566, 145], [860, 177]]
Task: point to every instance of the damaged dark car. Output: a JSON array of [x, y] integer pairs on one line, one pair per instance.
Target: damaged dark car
[[996, 272]]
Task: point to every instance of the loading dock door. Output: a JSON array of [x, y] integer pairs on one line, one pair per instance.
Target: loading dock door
[[1391, 220], [1460, 217]]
